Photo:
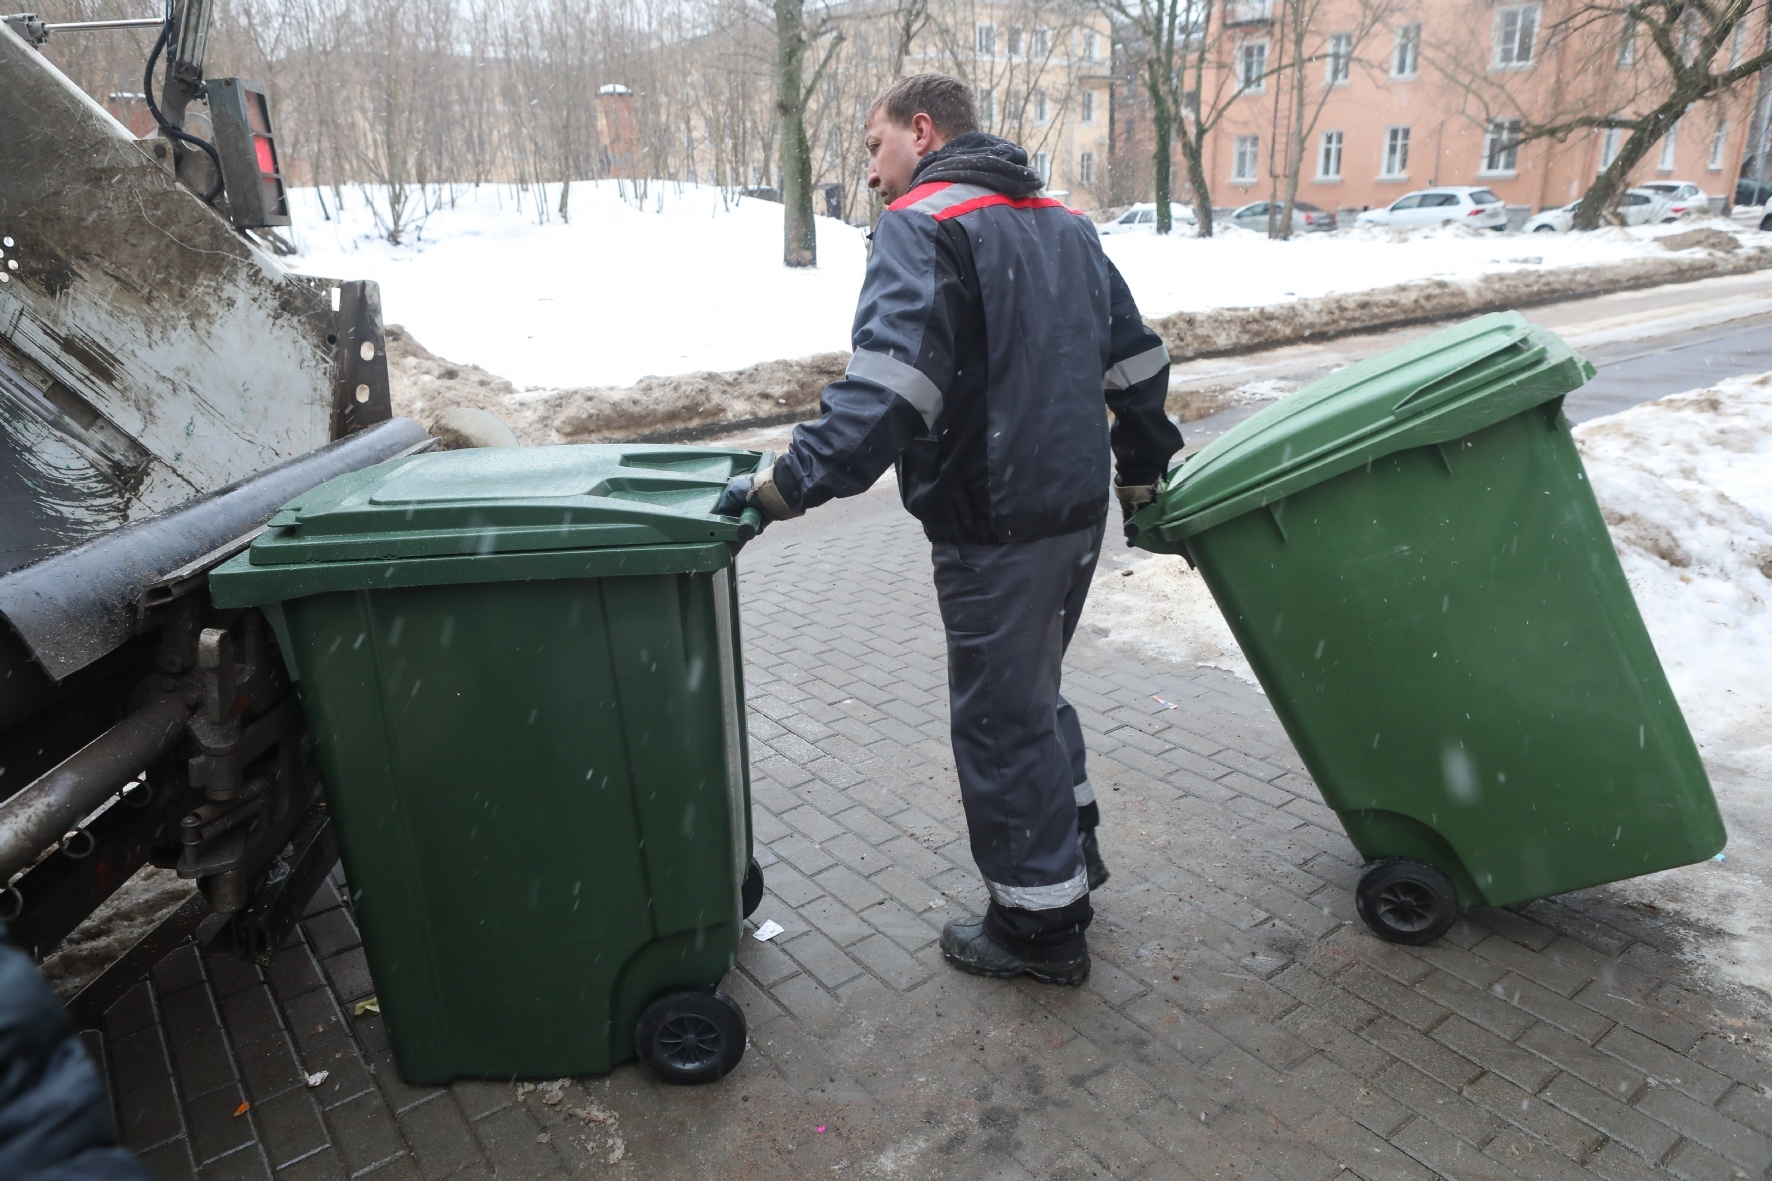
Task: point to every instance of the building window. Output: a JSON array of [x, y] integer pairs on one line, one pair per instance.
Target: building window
[[1329, 156], [1043, 166], [1611, 140], [1242, 12], [987, 40], [1090, 45], [1501, 146], [1396, 152], [1012, 40], [1247, 156], [1086, 169], [1669, 145], [987, 107], [1340, 59], [1738, 43], [1627, 45], [1086, 106], [1406, 61], [1719, 145], [1041, 44], [1515, 31], [1252, 66], [1041, 112], [1018, 105]]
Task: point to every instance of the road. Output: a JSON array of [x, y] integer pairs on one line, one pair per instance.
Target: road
[[1646, 345]]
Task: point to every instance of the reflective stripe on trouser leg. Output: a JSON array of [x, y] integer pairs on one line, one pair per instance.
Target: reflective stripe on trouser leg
[[1005, 609]]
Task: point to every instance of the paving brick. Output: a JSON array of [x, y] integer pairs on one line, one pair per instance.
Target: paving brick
[[1476, 1005], [1546, 1005], [822, 958], [1614, 1162], [849, 888], [1527, 962], [364, 1132], [1617, 1079], [888, 961], [243, 1164], [1527, 1156], [149, 1115], [1519, 1066], [1665, 1066], [289, 1127], [1670, 1030], [1625, 1124], [1422, 1095], [1569, 1136], [178, 969], [170, 1162], [1426, 1055], [188, 1013], [442, 1143], [213, 1126], [1446, 1154], [348, 973], [1709, 1127], [331, 932]]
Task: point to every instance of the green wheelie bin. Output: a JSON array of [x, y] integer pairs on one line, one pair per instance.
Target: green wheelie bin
[[1412, 560], [521, 670]]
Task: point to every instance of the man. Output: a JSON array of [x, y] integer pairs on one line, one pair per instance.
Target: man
[[989, 330], [55, 1124]]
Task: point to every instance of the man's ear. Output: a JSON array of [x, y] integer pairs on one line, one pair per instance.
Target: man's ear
[[923, 133]]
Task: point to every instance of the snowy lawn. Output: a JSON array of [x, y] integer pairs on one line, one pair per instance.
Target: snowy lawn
[[691, 279], [1686, 486]]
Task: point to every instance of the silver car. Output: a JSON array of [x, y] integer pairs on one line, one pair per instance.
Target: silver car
[[1142, 219], [1636, 207], [1306, 218]]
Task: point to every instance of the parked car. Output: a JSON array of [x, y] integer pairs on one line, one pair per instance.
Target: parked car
[[1636, 207], [1142, 219], [1683, 197], [1753, 202], [1305, 216], [1466, 205]]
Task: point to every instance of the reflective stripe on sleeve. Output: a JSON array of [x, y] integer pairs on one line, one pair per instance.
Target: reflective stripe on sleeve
[[1135, 369], [907, 381], [1085, 792], [1040, 897]]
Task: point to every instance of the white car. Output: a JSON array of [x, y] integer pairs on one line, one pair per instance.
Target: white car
[[1142, 219], [1464, 205], [1682, 195], [1636, 207]]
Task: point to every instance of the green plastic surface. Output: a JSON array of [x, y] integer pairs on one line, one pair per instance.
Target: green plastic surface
[[1444, 629], [537, 762], [504, 500]]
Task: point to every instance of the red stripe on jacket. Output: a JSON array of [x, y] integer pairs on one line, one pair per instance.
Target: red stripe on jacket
[[931, 188]]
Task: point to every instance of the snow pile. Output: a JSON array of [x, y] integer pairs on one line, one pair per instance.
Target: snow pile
[[1686, 486], [1160, 606], [690, 281], [690, 278]]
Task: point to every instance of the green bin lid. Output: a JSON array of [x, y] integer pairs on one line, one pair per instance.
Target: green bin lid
[[509, 500], [1433, 390], [494, 514]]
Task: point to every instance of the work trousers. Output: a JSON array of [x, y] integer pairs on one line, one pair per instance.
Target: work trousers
[[1010, 611]]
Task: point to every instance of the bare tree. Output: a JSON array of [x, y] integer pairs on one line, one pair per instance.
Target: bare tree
[[799, 234], [1631, 67]]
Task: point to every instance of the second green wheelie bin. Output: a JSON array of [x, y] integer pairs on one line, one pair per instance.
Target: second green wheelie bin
[[1413, 561], [521, 670]]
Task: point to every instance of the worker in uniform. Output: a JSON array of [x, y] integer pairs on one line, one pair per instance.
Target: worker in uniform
[[990, 330]]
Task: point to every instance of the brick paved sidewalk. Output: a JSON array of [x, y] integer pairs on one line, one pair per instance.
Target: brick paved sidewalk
[[1239, 1021]]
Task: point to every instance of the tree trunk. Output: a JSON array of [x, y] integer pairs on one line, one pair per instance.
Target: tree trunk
[[1196, 175], [799, 241], [1603, 194]]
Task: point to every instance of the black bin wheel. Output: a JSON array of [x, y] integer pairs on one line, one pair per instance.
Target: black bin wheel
[[751, 893], [691, 1035], [1406, 901]]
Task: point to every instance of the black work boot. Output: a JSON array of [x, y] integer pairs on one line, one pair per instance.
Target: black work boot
[[1098, 870], [966, 946]]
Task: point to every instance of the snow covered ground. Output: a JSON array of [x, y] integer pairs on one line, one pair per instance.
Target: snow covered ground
[[691, 279], [1686, 486]]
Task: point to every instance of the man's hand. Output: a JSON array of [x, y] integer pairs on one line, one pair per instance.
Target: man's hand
[[736, 498], [1132, 498]]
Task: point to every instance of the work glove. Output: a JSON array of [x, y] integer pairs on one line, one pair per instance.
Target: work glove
[[756, 491], [1133, 497]]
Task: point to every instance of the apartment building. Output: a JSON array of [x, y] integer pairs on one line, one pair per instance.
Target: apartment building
[[1431, 93], [1042, 71]]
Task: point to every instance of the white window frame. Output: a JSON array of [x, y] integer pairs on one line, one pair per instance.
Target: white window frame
[[1719, 146], [1086, 169], [1245, 159], [1738, 42], [1042, 107], [1040, 44], [1338, 62], [1670, 149], [987, 108], [1330, 145], [1012, 41], [986, 39], [1086, 107], [1091, 44], [1524, 20], [1245, 52], [1611, 143], [1627, 45], [1406, 56], [1043, 165], [1394, 164], [1509, 158]]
